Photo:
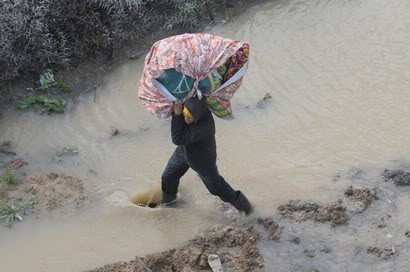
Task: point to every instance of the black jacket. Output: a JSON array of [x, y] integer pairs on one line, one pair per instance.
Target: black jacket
[[196, 141]]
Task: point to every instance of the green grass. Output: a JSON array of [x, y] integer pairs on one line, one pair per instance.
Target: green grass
[[61, 85], [8, 177], [52, 105], [10, 213]]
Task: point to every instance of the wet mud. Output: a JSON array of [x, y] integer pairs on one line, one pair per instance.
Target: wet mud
[[236, 245], [45, 193], [299, 211], [304, 236], [399, 177]]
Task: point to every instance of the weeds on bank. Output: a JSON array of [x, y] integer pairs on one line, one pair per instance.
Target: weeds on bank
[[10, 213], [8, 177], [50, 104], [46, 84]]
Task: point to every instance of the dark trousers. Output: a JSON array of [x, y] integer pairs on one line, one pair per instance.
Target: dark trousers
[[177, 166]]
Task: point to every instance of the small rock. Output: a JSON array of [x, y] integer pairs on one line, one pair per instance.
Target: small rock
[[65, 151], [115, 132], [6, 148], [17, 164], [385, 253], [264, 100], [357, 250], [92, 172], [407, 234], [326, 249], [382, 223], [309, 253], [295, 240]]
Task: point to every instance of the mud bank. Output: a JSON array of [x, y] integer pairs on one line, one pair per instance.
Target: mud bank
[[236, 245], [46, 193], [359, 231], [37, 193]]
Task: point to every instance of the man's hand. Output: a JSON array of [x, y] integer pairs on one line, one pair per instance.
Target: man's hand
[[178, 107]]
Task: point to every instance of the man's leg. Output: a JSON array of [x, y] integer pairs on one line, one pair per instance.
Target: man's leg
[[217, 186], [175, 169]]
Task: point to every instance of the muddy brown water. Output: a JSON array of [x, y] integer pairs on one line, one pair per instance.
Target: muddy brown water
[[339, 76]]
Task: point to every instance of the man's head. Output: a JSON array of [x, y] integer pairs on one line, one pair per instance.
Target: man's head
[[194, 109]]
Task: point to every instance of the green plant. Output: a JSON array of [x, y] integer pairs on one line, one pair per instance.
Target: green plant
[[48, 103], [8, 177], [10, 214], [61, 85], [38, 34]]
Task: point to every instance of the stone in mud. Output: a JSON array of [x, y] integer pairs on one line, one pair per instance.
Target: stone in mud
[[261, 104], [65, 151], [115, 132], [399, 177], [6, 148], [382, 223], [295, 240], [17, 164], [385, 253], [236, 246], [365, 196], [309, 253], [358, 250], [301, 211], [326, 249]]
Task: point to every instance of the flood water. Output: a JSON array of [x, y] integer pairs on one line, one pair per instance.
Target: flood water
[[339, 75]]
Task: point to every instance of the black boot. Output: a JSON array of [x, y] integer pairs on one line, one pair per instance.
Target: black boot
[[168, 199], [242, 204]]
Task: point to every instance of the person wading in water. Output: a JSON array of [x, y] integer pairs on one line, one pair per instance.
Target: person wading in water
[[193, 131]]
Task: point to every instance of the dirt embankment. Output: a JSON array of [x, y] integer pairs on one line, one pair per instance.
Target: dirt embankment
[[306, 236], [49, 192], [39, 193], [236, 245]]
